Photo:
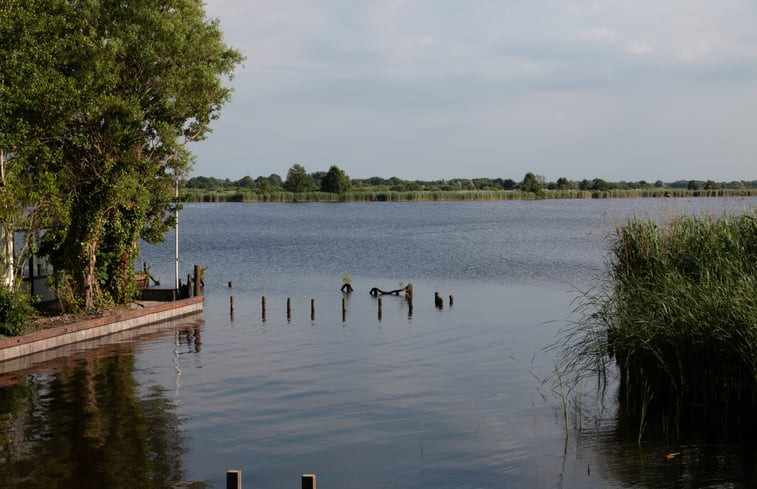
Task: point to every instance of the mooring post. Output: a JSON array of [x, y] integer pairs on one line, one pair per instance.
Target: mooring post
[[262, 301], [198, 280], [451, 300], [289, 308], [308, 481], [379, 309], [438, 300], [229, 283], [231, 305], [312, 309], [233, 479]]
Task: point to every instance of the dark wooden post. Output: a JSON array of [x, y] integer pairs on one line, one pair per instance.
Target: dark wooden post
[[308, 481], [451, 300], [231, 306], [198, 281], [233, 479], [289, 308], [344, 309], [229, 283], [438, 300], [262, 301], [379, 309], [312, 309]]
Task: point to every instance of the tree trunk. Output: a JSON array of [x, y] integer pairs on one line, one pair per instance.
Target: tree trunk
[[7, 266]]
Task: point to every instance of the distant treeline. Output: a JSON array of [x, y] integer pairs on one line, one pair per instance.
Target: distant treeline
[[336, 186]]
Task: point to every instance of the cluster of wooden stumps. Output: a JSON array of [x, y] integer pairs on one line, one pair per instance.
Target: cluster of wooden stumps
[[234, 480], [347, 289]]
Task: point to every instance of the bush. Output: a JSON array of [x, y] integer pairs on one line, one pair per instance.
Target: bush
[[16, 312]]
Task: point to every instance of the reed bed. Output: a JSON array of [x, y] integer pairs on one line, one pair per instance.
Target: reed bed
[[244, 195], [678, 316]]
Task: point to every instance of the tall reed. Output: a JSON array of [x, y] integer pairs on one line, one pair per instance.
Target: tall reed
[[678, 316]]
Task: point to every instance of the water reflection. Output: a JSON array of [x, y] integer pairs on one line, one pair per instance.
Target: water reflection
[[84, 421]]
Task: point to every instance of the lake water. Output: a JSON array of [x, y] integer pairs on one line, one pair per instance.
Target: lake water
[[416, 398]]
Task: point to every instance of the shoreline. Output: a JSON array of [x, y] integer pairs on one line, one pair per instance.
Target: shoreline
[[218, 196], [89, 328]]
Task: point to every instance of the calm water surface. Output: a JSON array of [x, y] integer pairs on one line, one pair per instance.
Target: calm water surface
[[422, 398]]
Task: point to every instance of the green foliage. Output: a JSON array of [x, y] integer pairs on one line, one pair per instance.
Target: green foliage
[[298, 180], [678, 316], [16, 311], [105, 96], [335, 181], [532, 183]]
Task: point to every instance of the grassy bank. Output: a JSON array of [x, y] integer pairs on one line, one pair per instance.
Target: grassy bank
[[195, 195], [678, 316]]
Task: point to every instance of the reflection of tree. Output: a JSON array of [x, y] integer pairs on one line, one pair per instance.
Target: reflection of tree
[[90, 426]]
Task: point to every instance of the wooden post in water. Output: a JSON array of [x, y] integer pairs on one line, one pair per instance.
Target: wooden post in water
[[451, 300], [229, 283], [344, 309], [379, 309], [231, 306], [198, 280], [308, 481], [262, 301], [233, 479], [312, 309], [289, 308], [438, 300]]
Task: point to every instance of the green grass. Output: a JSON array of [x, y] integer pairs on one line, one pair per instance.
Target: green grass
[[678, 316], [363, 195]]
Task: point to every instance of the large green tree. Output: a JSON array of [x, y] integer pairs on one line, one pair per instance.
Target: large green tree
[[298, 180], [335, 181], [144, 78]]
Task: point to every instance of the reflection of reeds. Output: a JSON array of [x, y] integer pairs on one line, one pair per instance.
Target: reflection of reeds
[[678, 315]]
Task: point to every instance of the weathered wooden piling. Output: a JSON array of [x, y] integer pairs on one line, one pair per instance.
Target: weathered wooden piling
[[312, 309], [229, 283], [308, 481], [231, 306], [451, 300], [233, 479], [197, 281], [438, 301], [289, 308], [262, 302], [379, 309]]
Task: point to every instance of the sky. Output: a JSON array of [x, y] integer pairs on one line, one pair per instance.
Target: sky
[[439, 89]]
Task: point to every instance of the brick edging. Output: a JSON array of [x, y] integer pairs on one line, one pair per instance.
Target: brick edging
[[93, 328]]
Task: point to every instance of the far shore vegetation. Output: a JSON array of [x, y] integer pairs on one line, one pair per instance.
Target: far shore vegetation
[[336, 186]]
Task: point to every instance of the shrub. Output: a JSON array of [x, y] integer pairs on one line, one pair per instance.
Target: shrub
[[16, 312]]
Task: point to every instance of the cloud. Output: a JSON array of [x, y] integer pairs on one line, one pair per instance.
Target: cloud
[[541, 82]]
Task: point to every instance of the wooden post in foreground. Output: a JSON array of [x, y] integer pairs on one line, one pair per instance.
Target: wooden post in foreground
[[289, 308], [233, 479], [262, 301], [308, 481], [312, 309]]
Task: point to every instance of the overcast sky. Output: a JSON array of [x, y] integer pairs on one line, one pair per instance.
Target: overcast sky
[[438, 89]]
